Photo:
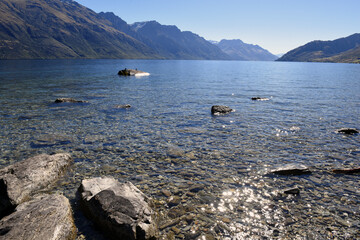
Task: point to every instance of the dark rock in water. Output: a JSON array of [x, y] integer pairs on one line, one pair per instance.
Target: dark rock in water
[[294, 191], [121, 210], [259, 99], [292, 169], [123, 106], [349, 131], [347, 170], [219, 109], [21, 180], [44, 217], [132, 72], [69, 100]]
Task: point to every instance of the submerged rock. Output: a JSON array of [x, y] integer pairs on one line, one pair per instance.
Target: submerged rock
[[347, 170], [132, 72], [21, 180], [220, 109], [121, 210], [123, 106], [69, 100], [349, 131], [44, 217], [291, 169]]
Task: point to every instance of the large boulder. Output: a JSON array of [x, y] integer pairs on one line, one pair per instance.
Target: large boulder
[[22, 179], [220, 109], [44, 217], [121, 210]]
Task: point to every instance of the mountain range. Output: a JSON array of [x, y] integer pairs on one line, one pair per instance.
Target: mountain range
[[345, 50], [238, 50], [52, 29]]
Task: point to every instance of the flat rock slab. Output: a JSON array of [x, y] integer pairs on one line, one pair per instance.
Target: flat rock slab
[[21, 180], [132, 72], [349, 131], [347, 170], [44, 217], [69, 100], [121, 210], [220, 109], [291, 169]]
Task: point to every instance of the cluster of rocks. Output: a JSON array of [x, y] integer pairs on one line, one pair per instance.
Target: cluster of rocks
[[121, 210]]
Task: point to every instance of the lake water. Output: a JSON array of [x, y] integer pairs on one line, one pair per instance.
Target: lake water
[[216, 168]]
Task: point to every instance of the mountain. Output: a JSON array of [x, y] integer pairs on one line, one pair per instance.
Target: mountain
[[238, 50], [345, 50], [48, 29]]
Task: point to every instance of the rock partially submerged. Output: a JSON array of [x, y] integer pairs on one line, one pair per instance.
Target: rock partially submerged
[[132, 72], [291, 169], [293, 191], [121, 210], [259, 99], [21, 180], [347, 170], [220, 109], [349, 131], [44, 217], [69, 100]]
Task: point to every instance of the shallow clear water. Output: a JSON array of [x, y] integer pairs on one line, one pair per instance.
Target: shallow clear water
[[216, 168]]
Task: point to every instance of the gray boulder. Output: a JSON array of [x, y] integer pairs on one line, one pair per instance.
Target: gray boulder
[[44, 217], [21, 180], [219, 109], [121, 210]]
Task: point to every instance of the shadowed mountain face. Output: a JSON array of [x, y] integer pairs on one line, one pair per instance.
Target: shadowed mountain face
[[345, 50], [36, 29], [52, 29], [238, 50]]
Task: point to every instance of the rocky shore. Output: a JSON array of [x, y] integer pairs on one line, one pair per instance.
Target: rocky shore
[[120, 210]]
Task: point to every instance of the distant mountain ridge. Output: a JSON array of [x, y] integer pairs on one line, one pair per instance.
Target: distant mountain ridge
[[169, 41], [346, 50], [238, 50], [53, 29]]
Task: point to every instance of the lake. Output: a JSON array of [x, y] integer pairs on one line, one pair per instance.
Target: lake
[[216, 168]]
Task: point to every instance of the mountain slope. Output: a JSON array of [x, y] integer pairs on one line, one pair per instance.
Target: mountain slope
[[172, 43], [238, 50], [47, 29], [340, 50]]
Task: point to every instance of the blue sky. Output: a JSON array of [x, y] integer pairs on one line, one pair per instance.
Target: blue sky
[[276, 25]]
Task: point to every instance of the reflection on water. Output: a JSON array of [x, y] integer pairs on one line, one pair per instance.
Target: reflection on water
[[208, 176]]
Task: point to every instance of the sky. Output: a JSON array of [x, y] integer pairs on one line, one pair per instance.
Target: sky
[[276, 25]]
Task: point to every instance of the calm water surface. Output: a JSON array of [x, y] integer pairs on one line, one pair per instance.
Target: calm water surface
[[216, 168]]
